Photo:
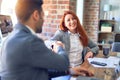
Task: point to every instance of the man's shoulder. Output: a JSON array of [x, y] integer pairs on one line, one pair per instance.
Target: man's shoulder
[[33, 38], [23, 38]]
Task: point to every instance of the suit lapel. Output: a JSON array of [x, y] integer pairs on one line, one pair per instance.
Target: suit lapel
[[66, 39]]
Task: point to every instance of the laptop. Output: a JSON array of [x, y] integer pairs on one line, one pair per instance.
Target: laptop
[[6, 24]]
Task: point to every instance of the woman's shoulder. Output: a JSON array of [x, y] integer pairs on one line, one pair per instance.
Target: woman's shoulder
[[58, 35], [60, 32]]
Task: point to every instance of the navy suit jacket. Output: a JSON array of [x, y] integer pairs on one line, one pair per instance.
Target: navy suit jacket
[[25, 57]]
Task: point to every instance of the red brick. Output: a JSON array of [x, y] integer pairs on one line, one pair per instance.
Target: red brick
[[47, 1], [63, 2], [67, 7], [53, 16], [59, 16], [54, 2], [62, 7], [53, 6], [57, 21], [53, 11]]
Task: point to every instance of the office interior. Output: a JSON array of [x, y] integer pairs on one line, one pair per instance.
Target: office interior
[[100, 18], [91, 13]]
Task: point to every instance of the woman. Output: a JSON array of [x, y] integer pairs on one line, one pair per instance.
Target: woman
[[77, 44]]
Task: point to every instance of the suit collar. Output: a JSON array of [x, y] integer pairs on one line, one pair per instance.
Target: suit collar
[[22, 27], [31, 30]]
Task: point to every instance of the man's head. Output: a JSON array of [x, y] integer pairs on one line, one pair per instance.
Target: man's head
[[30, 10]]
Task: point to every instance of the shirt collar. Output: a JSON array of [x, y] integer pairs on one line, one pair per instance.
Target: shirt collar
[[70, 33], [31, 30]]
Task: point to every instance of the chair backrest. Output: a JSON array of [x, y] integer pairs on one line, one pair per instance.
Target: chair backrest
[[116, 47], [117, 37]]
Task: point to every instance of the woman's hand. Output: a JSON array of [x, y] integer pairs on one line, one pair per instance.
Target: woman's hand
[[88, 55]]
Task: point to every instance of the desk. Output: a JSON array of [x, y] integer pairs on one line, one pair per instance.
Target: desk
[[101, 73]]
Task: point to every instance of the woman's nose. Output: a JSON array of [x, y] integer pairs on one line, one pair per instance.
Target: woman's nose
[[72, 21]]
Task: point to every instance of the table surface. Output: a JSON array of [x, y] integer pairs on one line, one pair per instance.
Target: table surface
[[101, 73]]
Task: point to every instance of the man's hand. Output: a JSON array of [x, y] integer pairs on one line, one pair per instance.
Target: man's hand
[[55, 46], [76, 71]]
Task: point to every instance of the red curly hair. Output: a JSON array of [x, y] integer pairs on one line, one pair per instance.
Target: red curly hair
[[79, 29]]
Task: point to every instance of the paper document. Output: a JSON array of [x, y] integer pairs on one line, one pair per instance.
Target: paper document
[[73, 78], [87, 78], [111, 61]]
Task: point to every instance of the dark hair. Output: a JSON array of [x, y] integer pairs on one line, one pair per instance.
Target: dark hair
[[24, 8], [80, 29]]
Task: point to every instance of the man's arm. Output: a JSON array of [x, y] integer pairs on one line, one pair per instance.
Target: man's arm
[[40, 56]]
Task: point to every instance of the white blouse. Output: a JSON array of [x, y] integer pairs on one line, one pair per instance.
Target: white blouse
[[76, 48]]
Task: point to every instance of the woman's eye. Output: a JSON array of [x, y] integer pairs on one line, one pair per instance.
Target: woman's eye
[[74, 19], [68, 20]]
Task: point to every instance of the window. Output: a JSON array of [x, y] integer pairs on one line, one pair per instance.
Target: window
[[7, 8]]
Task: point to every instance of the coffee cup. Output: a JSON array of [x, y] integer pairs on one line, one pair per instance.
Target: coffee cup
[[106, 50]]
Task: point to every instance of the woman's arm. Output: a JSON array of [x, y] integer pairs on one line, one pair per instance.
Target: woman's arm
[[93, 47], [91, 50]]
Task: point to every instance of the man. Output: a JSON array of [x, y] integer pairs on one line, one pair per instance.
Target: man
[[24, 55]]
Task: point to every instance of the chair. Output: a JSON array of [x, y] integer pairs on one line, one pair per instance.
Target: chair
[[117, 37], [116, 47]]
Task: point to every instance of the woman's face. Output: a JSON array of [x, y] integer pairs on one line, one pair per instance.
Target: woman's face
[[71, 23]]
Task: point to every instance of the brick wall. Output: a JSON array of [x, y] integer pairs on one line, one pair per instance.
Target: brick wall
[[91, 17], [54, 10]]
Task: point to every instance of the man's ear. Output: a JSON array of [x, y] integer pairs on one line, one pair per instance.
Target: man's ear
[[36, 15]]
